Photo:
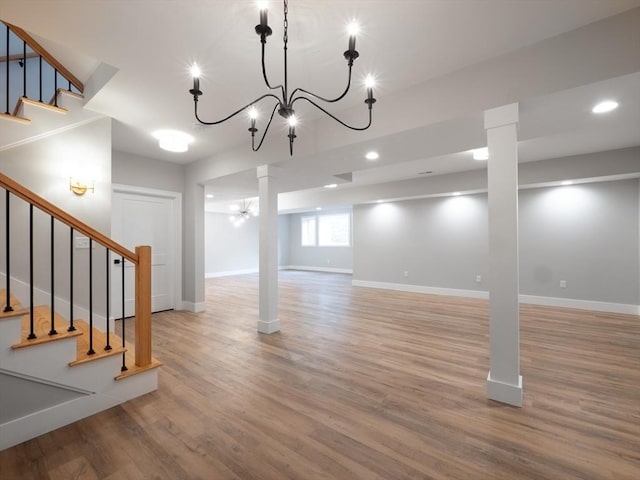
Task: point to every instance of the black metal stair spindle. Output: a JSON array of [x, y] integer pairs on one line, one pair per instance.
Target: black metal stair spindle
[[108, 345], [55, 87], [53, 326], [40, 86], [32, 334], [24, 69], [7, 74], [124, 364], [72, 327], [8, 307], [91, 350]]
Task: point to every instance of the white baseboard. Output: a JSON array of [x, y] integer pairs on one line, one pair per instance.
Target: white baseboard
[[268, 327], [581, 304], [531, 299], [505, 392], [193, 307], [230, 273], [401, 287], [317, 269]]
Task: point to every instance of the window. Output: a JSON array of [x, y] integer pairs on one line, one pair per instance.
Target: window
[[308, 231], [332, 230]]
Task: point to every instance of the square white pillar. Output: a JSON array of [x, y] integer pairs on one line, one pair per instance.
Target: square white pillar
[[504, 382], [268, 321]]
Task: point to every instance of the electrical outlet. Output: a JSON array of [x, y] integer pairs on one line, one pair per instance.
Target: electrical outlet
[[478, 278], [406, 273], [563, 284]]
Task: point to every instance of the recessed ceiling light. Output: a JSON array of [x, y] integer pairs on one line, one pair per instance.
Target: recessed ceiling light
[[379, 201], [209, 195], [567, 182], [173, 140], [604, 107], [331, 185], [318, 208], [372, 155], [456, 194], [481, 153]]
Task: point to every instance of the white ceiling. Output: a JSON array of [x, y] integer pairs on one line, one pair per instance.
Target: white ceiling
[[403, 42]]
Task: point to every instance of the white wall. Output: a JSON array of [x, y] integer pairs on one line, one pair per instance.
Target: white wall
[[585, 234], [130, 169], [233, 250], [44, 166]]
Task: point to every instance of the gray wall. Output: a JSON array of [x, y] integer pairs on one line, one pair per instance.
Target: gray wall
[[44, 166], [440, 242], [317, 257], [231, 249], [130, 169], [585, 234]]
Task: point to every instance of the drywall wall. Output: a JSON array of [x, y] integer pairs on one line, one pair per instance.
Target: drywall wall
[[317, 258], [45, 166], [436, 242], [231, 250], [130, 169], [587, 235]]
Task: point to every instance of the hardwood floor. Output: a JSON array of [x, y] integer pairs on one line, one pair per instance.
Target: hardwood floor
[[360, 384]]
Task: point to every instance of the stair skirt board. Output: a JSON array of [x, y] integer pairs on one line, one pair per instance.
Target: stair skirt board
[[41, 422]]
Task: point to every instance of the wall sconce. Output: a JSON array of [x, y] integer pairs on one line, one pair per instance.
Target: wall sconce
[[80, 187]]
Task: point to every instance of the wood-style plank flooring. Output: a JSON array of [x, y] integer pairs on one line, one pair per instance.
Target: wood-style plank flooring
[[360, 384]]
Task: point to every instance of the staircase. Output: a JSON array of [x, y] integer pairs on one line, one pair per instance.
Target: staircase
[[62, 358]]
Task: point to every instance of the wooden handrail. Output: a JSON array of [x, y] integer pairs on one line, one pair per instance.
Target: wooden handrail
[[49, 208], [39, 49]]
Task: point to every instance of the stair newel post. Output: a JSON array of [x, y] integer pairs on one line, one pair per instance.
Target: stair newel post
[[143, 306], [124, 361], [32, 334], [53, 297], [108, 345], [72, 327], [7, 231], [91, 350]]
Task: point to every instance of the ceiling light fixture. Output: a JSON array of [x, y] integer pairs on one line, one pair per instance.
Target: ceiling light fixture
[[481, 153], [173, 140], [285, 101], [372, 155], [604, 107], [566, 182], [456, 194], [331, 185], [243, 212]]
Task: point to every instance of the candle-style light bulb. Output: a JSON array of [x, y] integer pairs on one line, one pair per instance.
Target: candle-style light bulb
[[253, 115], [195, 73], [292, 120], [353, 30], [369, 83], [262, 5]]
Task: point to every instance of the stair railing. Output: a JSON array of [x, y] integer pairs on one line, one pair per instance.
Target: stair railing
[[141, 259], [32, 59]]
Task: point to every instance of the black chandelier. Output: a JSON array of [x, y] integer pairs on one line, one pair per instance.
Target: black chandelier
[[285, 102]]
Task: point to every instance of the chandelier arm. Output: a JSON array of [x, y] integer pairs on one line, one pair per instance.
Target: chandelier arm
[[236, 112], [333, 116], [264, 75], [346, 90], [273, 112]]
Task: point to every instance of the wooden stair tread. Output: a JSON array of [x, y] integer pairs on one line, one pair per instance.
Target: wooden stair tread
[[64, 91], [15, 118], [42, 327], [18, 309], [99, 341], [36, 103], [132, 368]]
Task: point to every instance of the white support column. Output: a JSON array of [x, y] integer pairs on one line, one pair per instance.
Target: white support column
[[504, 382], [268, 321]]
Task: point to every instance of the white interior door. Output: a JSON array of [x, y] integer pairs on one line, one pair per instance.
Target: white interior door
[[144, 219]]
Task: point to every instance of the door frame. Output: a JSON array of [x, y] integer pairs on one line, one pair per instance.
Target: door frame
[[176, 205]]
